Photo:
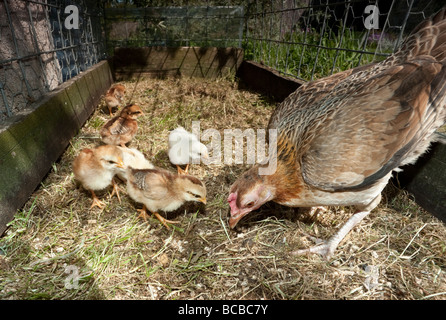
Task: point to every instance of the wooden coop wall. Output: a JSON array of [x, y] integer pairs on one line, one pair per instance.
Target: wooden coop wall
[[209, 62]]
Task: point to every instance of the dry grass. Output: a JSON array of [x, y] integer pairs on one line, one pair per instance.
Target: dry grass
[[398, 252]]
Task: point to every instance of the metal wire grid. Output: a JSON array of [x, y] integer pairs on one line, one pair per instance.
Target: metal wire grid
[[204, 26], [309, 39], [306, 39], [37, 51]]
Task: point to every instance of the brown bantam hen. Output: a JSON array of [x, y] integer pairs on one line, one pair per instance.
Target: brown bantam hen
[[114, 97], [95, 169], [161, 190], [121, 129], [339, 138]]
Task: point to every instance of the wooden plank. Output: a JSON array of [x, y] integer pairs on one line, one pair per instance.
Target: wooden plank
[[35, 138], [183, 61], [267, 80], [426, 180]]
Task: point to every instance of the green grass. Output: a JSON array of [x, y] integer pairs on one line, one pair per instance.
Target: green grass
[[310, 56]]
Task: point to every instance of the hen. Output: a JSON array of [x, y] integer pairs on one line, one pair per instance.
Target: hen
[[339, 138], [114, 97], [121, 129], [95, 169], [185, 148], [158, 189]]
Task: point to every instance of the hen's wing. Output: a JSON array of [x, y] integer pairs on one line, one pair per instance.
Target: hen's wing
[[310, 93], [377, 127]]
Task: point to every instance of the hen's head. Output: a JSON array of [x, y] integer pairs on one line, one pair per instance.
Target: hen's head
[[248, 193]]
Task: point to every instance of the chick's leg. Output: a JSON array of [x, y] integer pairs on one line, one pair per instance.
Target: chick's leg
[[115, 190], [96, 202], [181, 171], [164, 221], [143, 213], [327, 248]]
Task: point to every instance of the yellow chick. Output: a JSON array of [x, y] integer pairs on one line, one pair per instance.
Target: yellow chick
[[114, 97], [121, 129], [161, 190], [95, 169], [135, 159]]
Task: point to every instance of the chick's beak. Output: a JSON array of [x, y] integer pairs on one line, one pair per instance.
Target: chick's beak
[[120, 163], [203, 200]]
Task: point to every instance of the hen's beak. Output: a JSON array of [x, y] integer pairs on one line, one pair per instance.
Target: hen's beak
[[236, 213], [236, 216]]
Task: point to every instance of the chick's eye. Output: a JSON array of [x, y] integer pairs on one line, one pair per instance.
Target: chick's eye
[[193, 194]]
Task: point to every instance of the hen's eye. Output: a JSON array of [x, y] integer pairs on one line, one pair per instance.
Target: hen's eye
[[249, 204]]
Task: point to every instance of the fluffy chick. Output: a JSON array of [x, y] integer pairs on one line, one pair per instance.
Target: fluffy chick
[[95, 169], [161, 190], [135, 159], [114, 97], [185, 148], [121, 129]]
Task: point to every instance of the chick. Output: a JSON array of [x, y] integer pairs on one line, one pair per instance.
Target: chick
[[114, 97], [158, 189], [184, 148], [135, 159], [95, 169], [121, 129]]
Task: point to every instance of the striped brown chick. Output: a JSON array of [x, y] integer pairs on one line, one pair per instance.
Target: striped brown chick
[[121, 129], [161, 190]]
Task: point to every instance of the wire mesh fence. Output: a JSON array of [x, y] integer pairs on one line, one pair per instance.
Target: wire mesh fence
[[309, 39], [43, 44], [201, 26]]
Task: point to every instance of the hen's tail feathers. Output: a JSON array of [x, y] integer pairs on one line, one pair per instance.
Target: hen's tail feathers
[[428, 38]]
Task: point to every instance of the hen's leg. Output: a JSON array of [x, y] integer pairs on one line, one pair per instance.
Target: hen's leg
[[328, 247]]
